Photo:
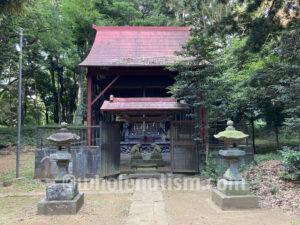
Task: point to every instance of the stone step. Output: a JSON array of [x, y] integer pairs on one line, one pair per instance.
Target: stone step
[[142, 175]]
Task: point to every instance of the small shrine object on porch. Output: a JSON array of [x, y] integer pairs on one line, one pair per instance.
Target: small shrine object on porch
[[232, 191], [62, 197]]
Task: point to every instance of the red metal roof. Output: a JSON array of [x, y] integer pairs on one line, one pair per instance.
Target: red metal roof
[[142, 104], [136, 46]]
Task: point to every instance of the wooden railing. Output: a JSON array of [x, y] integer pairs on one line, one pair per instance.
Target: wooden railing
[[89, 136]]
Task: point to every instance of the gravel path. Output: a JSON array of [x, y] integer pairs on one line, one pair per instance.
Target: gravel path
[[147, 208]]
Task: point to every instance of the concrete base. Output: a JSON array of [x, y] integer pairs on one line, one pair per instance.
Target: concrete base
[[69, 207], [233, 187], [226, 202]]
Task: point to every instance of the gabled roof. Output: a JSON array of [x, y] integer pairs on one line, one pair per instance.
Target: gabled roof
[[142, 105], [136, 46]]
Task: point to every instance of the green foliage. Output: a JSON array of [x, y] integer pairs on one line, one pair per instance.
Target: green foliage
[[243, 65], [212, 171], [274, 189], [259, 158], [13, 6], [8, 136], [57, 37], [291, 162], [265, 141], [240, 67]]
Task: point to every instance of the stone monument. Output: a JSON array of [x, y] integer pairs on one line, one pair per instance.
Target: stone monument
[[62, 197], [232, 191]]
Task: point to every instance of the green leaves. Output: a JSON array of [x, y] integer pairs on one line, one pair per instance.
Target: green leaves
[[291, 161]]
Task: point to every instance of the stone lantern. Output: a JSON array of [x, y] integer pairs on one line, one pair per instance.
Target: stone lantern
[[63, 196], [232, 191]]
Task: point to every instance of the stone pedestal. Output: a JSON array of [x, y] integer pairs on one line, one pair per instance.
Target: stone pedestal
[[62, 191], [234, 195], [227, 202], [238, 187], [59, 207]]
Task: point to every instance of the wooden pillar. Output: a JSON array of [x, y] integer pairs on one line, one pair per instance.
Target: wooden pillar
[[89, 108]]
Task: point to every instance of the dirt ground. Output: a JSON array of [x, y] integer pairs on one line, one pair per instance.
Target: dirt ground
[[273, 191], [18, 204], [191, 208], [8, 160], [107, 209]]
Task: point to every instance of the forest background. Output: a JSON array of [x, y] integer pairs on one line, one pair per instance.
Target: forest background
[[242, 62]]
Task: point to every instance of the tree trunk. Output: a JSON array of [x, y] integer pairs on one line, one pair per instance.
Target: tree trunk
[[54, 91], [72, 102], [78, 112], [206, 137], [277, 138], [58, 104], [47, 116], [59, 91], [37, 117], [253, 134]]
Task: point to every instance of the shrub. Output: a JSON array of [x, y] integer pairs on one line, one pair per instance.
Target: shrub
[[291, 162], [212, 171]]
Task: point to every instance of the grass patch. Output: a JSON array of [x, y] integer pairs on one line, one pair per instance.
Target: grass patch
[[258, 158], [25, 182], [268, 144], [11, 206], [8, 136]]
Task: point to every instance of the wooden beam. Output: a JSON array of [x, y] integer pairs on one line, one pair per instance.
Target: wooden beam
[[145, 72], [140, 113], [89, 108], [139, 87], [105, 89], [142, 119]]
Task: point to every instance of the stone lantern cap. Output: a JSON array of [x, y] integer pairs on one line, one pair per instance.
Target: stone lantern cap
[[63, 138], [231, 135]]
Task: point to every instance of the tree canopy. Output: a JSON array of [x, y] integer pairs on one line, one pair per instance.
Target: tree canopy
[[243, 56]]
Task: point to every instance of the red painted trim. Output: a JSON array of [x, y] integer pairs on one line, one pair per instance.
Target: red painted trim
[[145, 109], [146, 99], [105, 89], [116, 28], [89, 108], [133, 72]]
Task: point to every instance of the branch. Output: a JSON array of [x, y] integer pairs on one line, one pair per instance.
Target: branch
[[7, 86]]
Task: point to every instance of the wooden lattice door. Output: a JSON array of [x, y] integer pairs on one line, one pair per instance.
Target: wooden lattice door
[[184, 152]]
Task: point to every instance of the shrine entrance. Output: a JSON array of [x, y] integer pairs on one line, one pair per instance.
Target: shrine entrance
[[127, 84], [151, 139]]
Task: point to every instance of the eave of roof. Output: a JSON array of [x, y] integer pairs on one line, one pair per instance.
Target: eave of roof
[[142, 105], [136, 46]]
